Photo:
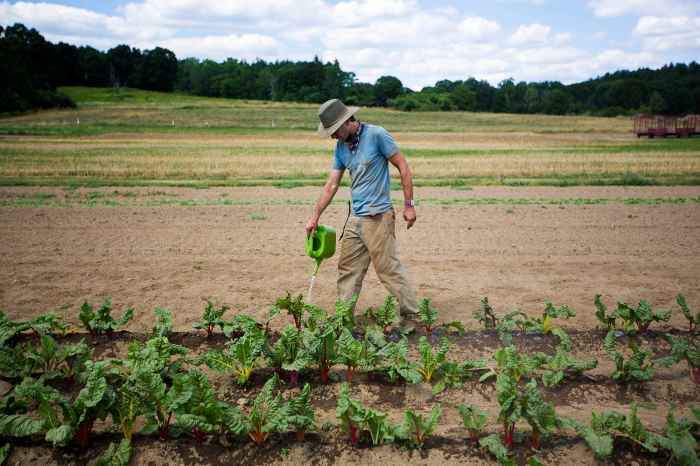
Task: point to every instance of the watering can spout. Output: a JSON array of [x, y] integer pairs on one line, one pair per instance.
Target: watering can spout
[[321, 244]]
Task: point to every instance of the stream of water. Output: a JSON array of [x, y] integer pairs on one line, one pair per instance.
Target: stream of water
[[311, 288]]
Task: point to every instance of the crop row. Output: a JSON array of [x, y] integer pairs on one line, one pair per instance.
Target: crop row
[[161, 386]]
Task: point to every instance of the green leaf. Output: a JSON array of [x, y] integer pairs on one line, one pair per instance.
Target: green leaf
[[427, 314], [116, 455], [493, 444], [60, 436], [164, 322], [5, 453], [18, 425]]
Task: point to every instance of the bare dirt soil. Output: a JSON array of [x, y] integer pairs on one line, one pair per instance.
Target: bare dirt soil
[[248, 255]]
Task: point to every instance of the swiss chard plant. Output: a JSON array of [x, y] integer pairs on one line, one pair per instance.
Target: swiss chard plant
[[345, 313], [300, 413], [474, 420], [492, 443], [397, 364], [562, 365], [635, 368], [427, 314], [116, 455], [268, 415], [212, 318], [679, 440], [683, 349], [379, 428], [197, 410], [349, 353], [385, 316], [294, 306], [54, 360], [241, 324], [486, 315], [287, 353], [606, 318], [350, 414], [100, 321], [638, 318], [320, 346], [164, 322], [416, 428], [430, 361], [605, 428], [693, 318], [239, 357]]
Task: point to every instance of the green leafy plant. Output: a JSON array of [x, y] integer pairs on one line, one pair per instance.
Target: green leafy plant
[[693, 319], [486, 314], [633, 368], [474, 420], [320, 346], [638, 318], [679, 439], [164, 322], [606, 427], [195, 406], [431, 361], [345, 313], [300, 413], [268, 415], [380, 431], [397, 363], [239, 325], [116, 455], [349, 412], [562, 365], [239, 357], [385, 316], [212, 318], [493, 444], [416, 428], [287, 353], [100, 321], [601, 313], [294, 307], [349, 353], [427, 314], [54, 360], [682, 349]]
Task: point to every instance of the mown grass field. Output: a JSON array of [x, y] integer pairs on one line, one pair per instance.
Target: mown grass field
[[133, 138]]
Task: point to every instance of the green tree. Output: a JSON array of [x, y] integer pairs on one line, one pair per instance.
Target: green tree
[[387, 87]]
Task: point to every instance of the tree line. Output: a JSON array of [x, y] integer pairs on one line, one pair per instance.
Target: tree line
[[35, 67]]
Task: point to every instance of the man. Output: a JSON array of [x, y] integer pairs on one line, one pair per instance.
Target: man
[[364, 150]]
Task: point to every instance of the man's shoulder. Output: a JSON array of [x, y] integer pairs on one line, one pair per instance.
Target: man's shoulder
[[370, 128]]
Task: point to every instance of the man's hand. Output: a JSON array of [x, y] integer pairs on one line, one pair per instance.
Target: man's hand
[[311, 225], [409, 214]]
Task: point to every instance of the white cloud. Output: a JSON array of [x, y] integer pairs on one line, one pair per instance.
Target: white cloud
[[531, 33], [668, 33], [476, 28], [608, 8]]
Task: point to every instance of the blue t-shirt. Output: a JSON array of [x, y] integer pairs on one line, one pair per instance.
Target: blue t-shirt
[[369, 170]]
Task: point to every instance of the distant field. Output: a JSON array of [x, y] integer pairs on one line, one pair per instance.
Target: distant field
[[131, 137]]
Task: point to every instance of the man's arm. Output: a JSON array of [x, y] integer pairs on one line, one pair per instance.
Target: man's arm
[[329, 191], [409, 212]]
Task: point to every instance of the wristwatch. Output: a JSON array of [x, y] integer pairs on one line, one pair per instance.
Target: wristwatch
[[409, 203]]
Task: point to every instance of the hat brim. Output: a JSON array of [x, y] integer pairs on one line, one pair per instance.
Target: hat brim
[[328, 132]]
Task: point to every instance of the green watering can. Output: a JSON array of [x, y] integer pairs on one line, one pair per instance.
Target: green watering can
[[321, 244]]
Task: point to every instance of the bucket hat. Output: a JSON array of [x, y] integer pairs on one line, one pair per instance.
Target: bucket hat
[[333, 113]]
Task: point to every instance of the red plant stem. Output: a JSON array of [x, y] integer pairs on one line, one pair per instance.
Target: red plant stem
[[164, 430], [258, 437], [695, 374], [387, 328], [474, 435], [210, 330], [324, 374], [300, 435], [508, 432], [297, 322], [535, 439], [293, 378], [354, 435], [348, 373], [82, 436], [199, 436]]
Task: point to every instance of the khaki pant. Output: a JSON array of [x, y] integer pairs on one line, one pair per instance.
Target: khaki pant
[[373, 239]]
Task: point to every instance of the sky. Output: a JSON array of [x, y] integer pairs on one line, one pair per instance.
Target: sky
[[419, 42]]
